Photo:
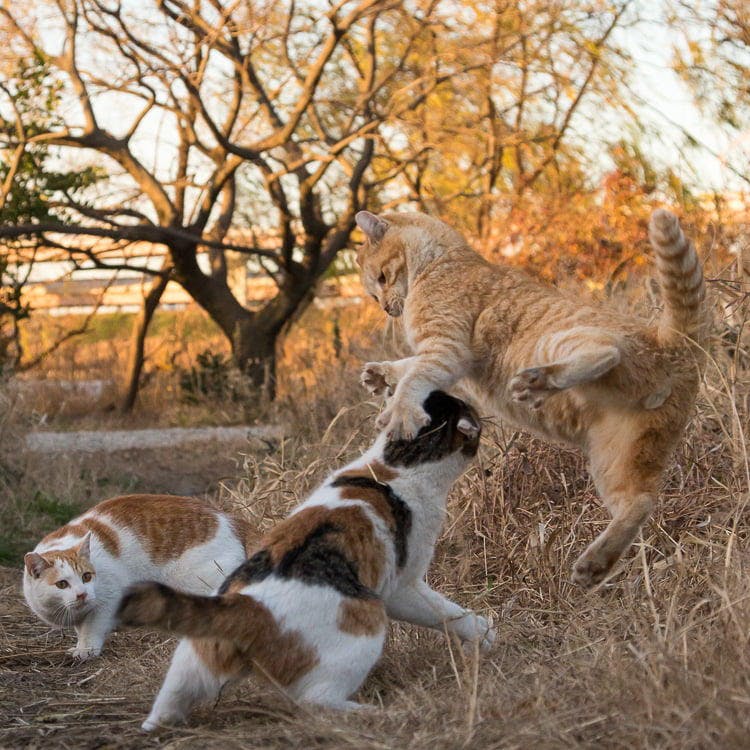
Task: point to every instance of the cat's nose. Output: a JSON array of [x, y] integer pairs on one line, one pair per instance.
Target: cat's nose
[[81, 597]]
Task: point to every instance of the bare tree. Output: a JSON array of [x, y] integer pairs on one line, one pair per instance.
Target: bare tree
[[527, 123], [212, 110]]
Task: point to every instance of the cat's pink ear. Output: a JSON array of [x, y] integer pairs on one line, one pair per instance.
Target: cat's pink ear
[[35, 564], [373, 226], [467, 426], [84, 548]]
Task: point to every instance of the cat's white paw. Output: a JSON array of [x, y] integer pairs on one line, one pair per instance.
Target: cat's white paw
[[82, 653], [376, 378], [481, 631], [165, 721], [150, 725], [488, 640]]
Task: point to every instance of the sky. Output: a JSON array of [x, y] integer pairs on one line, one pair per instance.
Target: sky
[[668, 108]]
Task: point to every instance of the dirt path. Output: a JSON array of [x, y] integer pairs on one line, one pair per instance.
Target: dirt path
[[94, 441]]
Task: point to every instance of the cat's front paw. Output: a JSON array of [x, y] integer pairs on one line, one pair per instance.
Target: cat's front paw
[[83, 653], [477, 629], [403, 422], [531, 386], [377, 378]]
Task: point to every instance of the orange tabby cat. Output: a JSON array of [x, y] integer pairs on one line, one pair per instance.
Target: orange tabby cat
[[549, 362]]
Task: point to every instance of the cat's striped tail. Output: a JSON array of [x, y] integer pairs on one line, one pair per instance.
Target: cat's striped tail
[[681, 280], [229, 616]]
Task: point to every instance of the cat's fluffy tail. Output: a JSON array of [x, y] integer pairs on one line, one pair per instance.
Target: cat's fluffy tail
[[228, 616], [680, 277]]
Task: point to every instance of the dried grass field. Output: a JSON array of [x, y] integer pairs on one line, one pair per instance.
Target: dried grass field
[[658, 657]]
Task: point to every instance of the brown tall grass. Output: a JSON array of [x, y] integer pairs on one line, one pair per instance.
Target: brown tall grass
[[657, 657]]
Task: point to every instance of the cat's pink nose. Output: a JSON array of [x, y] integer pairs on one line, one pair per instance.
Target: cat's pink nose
[[81, 597]]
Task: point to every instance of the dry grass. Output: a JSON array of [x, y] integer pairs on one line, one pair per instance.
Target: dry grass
[[656, 658]]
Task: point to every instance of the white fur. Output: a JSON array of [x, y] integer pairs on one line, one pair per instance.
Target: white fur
[[198, 570], [312, 611]]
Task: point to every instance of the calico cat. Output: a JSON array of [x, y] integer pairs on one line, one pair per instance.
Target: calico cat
[[76, 575], [309, 609], [618, 388]]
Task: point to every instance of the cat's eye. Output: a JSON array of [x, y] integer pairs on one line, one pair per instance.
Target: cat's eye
[[86, 577], [62, 584], [381, 278]]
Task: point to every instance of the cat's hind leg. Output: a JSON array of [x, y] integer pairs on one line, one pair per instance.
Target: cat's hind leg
[[626, 461], [629, 512], [346, 658], [198, 671], [566, 359]]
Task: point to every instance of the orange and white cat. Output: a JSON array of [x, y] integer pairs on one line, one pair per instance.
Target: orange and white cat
[[620, 389], [77, 574], [309, 609]]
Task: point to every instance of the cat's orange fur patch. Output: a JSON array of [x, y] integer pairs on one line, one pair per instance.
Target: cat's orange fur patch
[[71, 557], [106, 535], [246, 532], [362, 616], [167, 525], [375, 499], [354, 534]]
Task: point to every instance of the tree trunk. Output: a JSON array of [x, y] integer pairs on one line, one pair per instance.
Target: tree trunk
[[254, 351], [150, 303], [252, 334]]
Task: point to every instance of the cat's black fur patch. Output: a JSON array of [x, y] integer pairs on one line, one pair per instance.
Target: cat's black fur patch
[[254, 569], [439, 438], [319, 561], [400, 510], [316, 561]]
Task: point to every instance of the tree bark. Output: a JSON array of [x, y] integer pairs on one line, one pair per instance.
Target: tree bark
[[150, 303]]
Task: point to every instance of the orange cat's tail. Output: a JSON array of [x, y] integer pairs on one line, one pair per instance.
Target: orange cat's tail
[[680, 277], [229, 616]]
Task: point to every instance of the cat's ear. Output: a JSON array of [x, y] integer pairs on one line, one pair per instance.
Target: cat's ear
[[373, 226], [35, 564], [468, 426], [84, 548]]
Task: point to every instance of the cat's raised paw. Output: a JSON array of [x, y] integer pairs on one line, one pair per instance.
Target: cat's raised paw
[[375, 378], [531, 386], [403, 423]]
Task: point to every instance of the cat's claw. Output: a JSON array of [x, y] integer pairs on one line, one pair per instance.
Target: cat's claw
[[403, 423], [531, 385], [375, 378]]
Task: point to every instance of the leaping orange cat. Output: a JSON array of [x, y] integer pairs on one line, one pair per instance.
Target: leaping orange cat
[[566, 369]]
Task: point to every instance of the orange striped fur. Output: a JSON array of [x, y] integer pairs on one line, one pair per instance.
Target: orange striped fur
[[550, 362]]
